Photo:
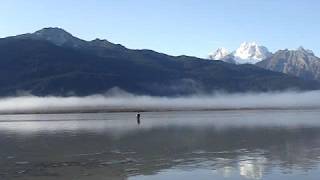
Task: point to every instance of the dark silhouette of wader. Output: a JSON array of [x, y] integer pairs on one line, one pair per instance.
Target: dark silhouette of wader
[[138, 118]]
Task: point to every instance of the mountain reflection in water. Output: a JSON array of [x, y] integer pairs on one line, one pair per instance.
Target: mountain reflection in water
[[166, 145]]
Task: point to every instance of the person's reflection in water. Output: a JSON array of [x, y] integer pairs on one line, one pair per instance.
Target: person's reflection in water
[[138, 118]]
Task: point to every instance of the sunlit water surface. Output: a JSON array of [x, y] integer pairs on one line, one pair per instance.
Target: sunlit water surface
[[261, 144]]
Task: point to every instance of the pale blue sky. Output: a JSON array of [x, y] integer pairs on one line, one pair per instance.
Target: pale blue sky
[[191, 27]]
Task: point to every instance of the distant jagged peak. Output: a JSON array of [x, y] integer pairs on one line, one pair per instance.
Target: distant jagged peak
[[299, 62], [307, 51], [298, 51], [219, 54]]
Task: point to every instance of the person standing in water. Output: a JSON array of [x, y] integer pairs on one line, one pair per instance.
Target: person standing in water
[[138, 118]]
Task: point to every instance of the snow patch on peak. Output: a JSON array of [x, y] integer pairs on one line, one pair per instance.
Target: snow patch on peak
[[219, 54], [55, 35]]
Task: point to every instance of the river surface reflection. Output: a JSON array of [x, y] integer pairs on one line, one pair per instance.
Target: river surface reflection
[[255, 144]]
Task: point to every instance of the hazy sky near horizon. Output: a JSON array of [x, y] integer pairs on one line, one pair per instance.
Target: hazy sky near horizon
[[176, 27]]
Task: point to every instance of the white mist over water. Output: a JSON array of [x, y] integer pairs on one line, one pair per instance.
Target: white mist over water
[[126, 101]]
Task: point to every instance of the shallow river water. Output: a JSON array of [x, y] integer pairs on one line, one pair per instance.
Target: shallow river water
[[255, 144]]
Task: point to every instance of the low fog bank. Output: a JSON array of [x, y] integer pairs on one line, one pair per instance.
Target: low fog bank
[[122, 101]]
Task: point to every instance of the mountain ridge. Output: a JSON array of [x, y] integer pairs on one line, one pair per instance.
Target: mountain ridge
[[54, 66]]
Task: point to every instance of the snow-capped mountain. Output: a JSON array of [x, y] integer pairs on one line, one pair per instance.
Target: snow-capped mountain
[[248, 52], [251, 53], [300, 62]]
